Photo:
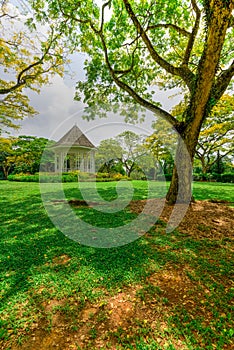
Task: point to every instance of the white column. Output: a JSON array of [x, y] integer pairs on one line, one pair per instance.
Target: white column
[[82, 162], [86, 163], [55, 162], [64, 162], [92, 162], [61, 161]]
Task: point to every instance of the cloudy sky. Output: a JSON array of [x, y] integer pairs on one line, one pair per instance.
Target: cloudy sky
[[58, 112]]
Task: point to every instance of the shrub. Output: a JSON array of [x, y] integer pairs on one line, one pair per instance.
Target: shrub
[[43, 178], [24, 178], [105, 179], [168, 177], [228, 177], [163, 177], [103, 175], [203, 177], [66, 177], [84, 176], [216, 177], [119, 176], [2, 175], [197, 176], [138, 175]]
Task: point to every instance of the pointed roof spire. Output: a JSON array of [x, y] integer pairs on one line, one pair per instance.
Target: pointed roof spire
[[74, 137]]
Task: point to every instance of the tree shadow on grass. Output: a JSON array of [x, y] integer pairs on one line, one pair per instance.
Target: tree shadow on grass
[[30, 242]]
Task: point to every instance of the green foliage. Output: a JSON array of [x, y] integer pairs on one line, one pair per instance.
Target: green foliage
[[226, 177], [6, 155], [13, 108], [166, 177], [103, 175], [122, 154], [28, 60], [67, 177], [216, 137], [23, 178], [23, 154], [162, 145], [108, 154], [28, 151], [43, 178]]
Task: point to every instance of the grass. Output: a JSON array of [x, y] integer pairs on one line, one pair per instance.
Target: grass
[[44, 274], [213, 190]]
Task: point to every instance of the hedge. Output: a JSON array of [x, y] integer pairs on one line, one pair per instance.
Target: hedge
[[164, 177], [66, 177], [226, 177]]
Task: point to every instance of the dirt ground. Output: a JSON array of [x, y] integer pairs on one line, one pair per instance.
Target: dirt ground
[[98, 322], [202, 219]]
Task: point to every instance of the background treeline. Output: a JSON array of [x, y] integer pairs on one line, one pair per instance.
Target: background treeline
[[127, 156]]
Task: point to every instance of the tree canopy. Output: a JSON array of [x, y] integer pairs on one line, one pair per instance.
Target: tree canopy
[[29, 55], [135, 45], [216, 136], [23, 154], [124, 153]]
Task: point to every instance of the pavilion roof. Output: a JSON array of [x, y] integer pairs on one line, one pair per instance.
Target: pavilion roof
[[74, 137]]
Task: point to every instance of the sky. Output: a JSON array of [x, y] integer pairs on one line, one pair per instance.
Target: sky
[[58, 112]]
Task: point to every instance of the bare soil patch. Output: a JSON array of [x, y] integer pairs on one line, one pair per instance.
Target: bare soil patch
[[202, 219]]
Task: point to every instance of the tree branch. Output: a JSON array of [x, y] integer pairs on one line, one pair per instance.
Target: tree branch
[[125, 71], [169, 25], [3, 12], [193, 35], [148, 105], [222, 82], [183, 72], [103, 12], [209, 164], [70, 16], [22, 78]]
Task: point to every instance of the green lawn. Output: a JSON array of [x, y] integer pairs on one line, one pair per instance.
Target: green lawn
[[213, 190], [41, 267]]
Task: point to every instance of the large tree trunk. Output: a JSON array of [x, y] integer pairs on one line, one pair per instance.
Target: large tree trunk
[[180, 190], [200, 102]]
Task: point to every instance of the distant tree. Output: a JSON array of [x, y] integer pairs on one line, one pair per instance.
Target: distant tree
[[109, 154], [28, 151], [216, 139], [125, 152], [162, 144], [7, 155], [133, 151], [23, 154]]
